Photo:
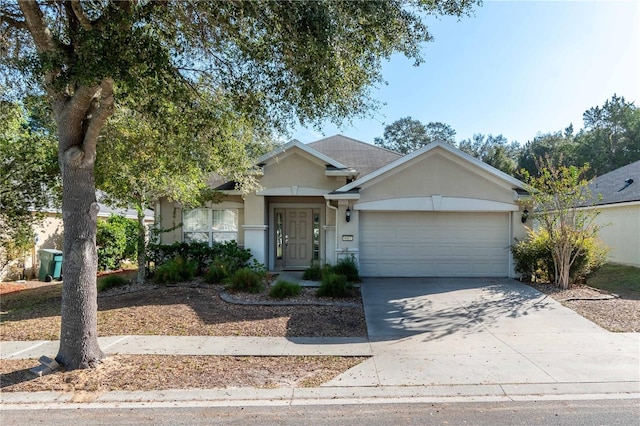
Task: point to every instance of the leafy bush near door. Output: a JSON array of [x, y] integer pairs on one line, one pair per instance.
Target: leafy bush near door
[[334, 285], [284, 289], [175, 271], [246, 280], [228, 256]]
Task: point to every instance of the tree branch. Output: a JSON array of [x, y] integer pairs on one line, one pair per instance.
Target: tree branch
[[37, 26], [79, 13], [97, 121], [12, 21]]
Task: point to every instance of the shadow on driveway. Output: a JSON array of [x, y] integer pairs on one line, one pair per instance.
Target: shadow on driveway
[[437, 307]]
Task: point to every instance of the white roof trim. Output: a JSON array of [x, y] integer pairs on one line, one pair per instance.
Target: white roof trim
[[451, 149], [295, 143], [437, 203], [293, 190], [345, 196]]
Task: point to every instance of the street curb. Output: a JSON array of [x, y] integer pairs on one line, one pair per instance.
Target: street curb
[[320, 396]]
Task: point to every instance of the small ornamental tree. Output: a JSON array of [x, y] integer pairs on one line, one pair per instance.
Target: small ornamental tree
[[560, 195]]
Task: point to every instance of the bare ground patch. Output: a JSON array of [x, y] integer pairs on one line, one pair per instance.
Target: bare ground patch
[[157, 372]]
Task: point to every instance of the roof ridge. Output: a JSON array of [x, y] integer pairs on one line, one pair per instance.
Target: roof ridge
[[358, 141]]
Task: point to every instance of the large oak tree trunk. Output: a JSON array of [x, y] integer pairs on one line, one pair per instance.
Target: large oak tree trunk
[[79, 331], [79, 120]]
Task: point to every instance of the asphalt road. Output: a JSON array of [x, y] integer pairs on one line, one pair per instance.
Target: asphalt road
[[584, 413]]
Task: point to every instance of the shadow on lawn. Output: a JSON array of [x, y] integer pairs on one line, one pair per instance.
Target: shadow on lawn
[[175, 305], [16, 377]]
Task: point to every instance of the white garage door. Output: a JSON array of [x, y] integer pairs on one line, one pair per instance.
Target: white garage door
[[434, 244]]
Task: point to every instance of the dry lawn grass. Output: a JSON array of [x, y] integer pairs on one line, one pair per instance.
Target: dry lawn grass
[[156, 372]]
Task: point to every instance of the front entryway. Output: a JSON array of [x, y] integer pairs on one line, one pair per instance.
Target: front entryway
[[297, 237]]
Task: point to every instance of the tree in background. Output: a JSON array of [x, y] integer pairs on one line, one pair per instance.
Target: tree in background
[[407, 134], [493, 150], [29, 170], [611, 136], [610, 139], [559, 147], [558, 193], [273, 62]]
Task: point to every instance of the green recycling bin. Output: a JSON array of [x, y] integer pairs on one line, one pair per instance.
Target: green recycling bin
[[50, 265]]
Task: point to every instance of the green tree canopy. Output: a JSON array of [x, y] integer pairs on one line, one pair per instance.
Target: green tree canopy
[[408, 134], [275, 62], [611, 136], [29, 170], [493, 150]]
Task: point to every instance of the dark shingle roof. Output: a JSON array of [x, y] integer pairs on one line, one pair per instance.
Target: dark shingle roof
[[618, 186], [363, 157]]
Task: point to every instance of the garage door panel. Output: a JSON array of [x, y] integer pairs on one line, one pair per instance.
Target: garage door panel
[[433, 244]]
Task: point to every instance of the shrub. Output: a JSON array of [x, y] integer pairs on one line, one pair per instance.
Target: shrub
[[347, 267], [175, 271], [228, 255], [245, 280], [111, 239], [130, 228], [314, 273], [111, 281], [334, 285], [216, 274], [533, 257], [284, 289]]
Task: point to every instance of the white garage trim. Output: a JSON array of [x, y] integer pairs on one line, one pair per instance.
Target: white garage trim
[[437, 203], [437, 244]]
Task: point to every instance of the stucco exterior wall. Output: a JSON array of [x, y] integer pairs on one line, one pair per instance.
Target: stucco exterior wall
[[621, 232], [300, 169], [437, 173]]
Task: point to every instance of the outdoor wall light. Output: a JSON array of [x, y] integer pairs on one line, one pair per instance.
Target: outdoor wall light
[[348, 215], [525, 215]]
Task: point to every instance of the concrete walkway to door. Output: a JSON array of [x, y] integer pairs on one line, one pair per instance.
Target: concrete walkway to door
[[446, 331]]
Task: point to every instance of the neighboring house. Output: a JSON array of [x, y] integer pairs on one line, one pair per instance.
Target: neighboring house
[[617, 196], [48, 234], [434, 212]]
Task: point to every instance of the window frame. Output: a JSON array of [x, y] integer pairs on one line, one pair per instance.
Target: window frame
[[209, 227]]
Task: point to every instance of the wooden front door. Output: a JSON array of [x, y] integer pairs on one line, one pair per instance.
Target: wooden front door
[[294, 237]]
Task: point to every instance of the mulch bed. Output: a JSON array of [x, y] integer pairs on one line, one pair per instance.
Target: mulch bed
[[608, 311], [191, 309]]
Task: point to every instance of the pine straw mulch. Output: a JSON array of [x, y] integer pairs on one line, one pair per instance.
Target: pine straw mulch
[[609, 311], [190, 309], [158, 372]]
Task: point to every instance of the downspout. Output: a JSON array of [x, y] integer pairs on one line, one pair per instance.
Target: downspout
[[336, 229]]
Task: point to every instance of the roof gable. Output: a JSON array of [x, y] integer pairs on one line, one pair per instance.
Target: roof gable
[[515, 183], [280, 151], [363, 157], [618, 186]]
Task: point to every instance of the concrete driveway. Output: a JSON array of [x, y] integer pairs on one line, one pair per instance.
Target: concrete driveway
[[444, 331]]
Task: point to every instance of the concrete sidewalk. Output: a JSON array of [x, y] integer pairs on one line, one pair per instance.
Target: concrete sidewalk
[[202, 345]]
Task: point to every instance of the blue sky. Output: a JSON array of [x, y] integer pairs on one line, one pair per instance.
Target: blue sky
[[515, 68]]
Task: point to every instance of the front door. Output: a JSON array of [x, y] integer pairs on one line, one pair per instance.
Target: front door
[[294, 237]]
